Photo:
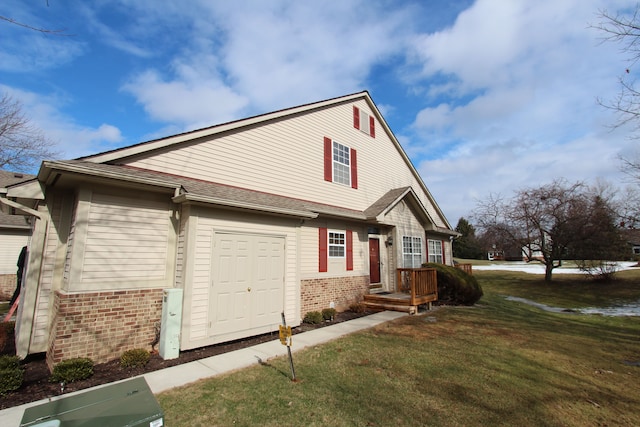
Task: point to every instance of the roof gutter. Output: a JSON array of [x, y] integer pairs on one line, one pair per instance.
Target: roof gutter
[[84, 170]]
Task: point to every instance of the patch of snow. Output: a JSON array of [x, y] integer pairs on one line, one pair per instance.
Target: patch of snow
[[537, 268]]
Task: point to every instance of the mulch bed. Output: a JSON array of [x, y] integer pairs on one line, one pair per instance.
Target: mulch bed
[[36, 385]]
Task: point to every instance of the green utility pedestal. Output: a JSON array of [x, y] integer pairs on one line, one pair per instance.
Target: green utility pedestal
[[129, 403]]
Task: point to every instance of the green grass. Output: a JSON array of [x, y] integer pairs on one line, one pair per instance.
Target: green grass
[[498, 363]]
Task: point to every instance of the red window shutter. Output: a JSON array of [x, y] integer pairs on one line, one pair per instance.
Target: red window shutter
[[442, 246], [353, 159], [356, 117], [349, 250], [372, 127], [323, 253], [328, 159]]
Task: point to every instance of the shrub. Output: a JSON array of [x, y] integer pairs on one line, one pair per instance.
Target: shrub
[[11, 374], [313, 317], [71, 370], [135, 358], [456, 287], [6, 332], [329, 313], [358, 307]]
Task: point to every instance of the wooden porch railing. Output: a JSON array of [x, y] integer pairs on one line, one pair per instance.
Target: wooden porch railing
[[467, 268], [420, 283]]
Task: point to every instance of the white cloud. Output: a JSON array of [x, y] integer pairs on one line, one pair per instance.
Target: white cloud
[[191, 99], [522, 111], [248, 60]]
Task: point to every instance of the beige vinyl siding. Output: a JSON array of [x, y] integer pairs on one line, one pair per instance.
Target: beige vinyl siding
[[122, 242], [12, 243], [309, 256], [286, 157], [203, 223]]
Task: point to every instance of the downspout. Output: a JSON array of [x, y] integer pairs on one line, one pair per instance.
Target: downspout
[[31, 280]]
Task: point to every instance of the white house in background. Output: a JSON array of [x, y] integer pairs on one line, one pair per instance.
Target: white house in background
[[15, 230], [291, 211]]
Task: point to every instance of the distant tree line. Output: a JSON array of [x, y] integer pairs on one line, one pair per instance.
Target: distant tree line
[[551, 223]]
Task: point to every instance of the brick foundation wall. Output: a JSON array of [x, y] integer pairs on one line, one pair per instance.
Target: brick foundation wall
[[7, 286], [103, 325], [317, 294]]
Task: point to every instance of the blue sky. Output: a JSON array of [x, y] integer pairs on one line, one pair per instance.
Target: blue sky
[[486, 96]]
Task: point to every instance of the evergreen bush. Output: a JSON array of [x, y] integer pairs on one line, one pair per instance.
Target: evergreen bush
[[329, 313], [11, 374], [455, 287], [137, 357], [313, 317], [71, 370]]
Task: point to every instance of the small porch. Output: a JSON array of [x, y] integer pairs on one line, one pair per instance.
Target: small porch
[[414, 287]]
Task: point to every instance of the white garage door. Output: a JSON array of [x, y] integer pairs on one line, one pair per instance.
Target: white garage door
[[247, 282]]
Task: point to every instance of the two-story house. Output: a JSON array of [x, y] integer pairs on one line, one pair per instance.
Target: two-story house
[[291, 211]]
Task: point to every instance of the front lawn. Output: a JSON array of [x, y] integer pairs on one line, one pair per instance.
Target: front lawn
[[497, 363]]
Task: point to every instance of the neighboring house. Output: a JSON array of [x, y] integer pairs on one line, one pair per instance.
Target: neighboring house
[[15, 230], [632, 236], [288, 212]]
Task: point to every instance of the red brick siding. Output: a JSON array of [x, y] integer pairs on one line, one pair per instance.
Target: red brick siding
[[317, 294], [103, 325]]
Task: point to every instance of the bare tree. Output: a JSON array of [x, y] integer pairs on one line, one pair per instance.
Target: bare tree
[[625, 30], [31, 27], [22, 145], [546, 222]]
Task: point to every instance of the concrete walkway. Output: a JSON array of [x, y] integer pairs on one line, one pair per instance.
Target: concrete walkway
[[186, 373]]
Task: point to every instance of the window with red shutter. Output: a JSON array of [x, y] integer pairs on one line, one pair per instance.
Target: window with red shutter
[[340, 163]]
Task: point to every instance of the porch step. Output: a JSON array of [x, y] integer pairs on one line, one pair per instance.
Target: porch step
[[381, 306]]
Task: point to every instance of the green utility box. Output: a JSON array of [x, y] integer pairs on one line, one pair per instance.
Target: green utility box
[[129, 403]]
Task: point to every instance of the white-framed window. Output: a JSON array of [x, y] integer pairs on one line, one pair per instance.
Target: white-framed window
[[341, 163], [435, 251], [412, 251], [337, 244]]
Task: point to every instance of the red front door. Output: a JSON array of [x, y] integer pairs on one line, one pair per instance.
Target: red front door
[[374, 260]]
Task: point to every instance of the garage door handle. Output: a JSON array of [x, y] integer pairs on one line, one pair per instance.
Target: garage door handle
[[248, 289]]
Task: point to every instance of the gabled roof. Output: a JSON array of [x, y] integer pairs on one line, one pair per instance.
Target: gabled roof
[[118, 155], [195, 191], [190, 190], [388, 201], [10, 178]]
